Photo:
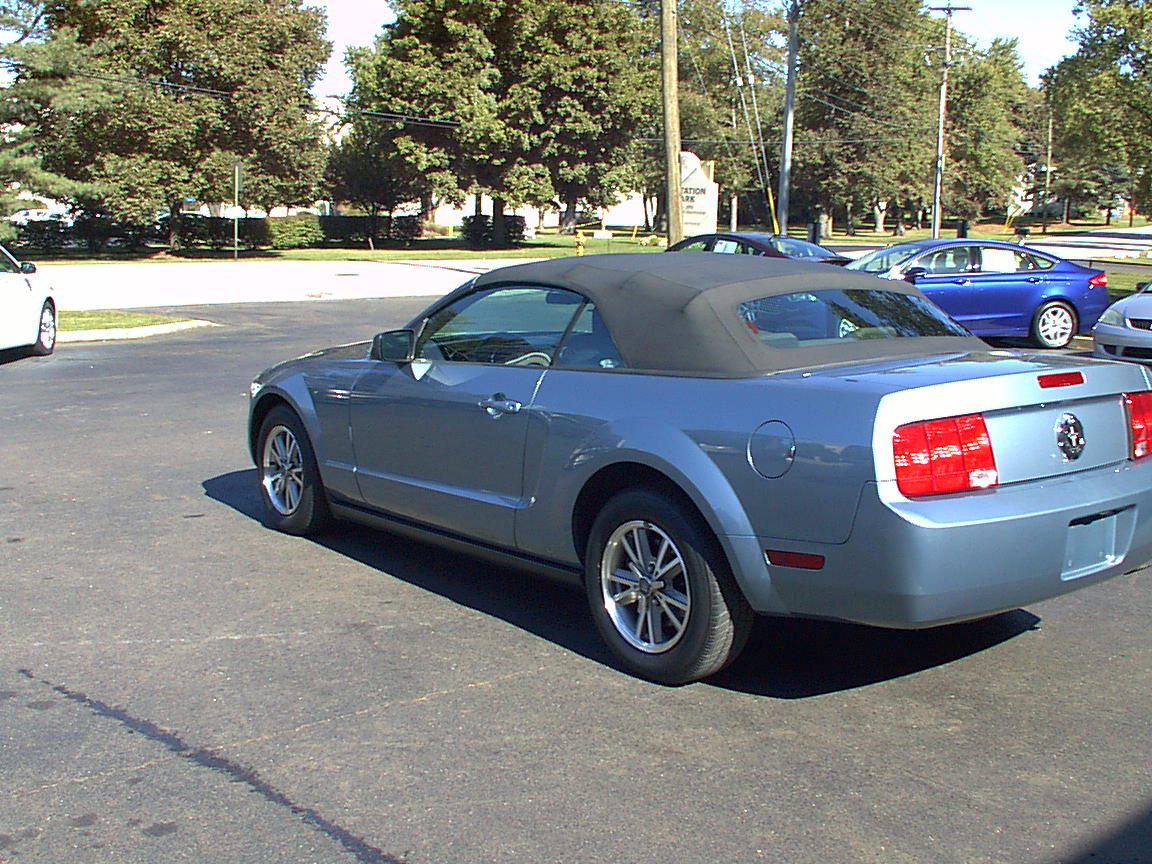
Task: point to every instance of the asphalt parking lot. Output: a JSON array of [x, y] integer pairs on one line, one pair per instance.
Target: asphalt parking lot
[[178, 683]]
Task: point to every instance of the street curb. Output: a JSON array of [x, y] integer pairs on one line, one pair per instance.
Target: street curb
[[119, 333]]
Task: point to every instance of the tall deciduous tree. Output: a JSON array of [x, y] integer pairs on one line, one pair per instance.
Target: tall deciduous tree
[[865, 106], [150, 102], [1102, 107], [525, 101], [365, 169], [988, 100]]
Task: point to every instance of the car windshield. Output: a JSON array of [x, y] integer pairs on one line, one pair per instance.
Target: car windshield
[[881, 259], [808, 318]]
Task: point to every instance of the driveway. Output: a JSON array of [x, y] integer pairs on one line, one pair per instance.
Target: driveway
[[180, 684]]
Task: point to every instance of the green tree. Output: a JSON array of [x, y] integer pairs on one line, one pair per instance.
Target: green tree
[[866, 102], [987, 105], [1102, 108], [524, 101], [365, 169], [149, 102]]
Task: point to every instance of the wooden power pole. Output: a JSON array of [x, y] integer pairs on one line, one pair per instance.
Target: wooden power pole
[[938, 178], [671, 78]]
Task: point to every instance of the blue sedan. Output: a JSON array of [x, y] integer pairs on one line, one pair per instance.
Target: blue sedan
[[998, 289]]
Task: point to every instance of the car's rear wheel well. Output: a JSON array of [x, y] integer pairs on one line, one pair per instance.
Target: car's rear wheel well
[[613, 479], [259, 412]]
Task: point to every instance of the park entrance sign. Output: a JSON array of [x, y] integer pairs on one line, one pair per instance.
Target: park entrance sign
[[699, 193]]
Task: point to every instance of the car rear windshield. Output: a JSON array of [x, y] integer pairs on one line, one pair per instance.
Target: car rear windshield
[[810, 318]]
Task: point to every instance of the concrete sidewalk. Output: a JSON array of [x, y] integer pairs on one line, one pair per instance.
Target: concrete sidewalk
[[194, 283]]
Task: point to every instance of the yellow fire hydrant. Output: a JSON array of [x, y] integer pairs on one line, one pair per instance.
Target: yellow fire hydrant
[[579, 242]]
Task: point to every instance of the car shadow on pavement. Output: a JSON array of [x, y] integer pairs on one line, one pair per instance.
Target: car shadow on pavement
[[785, 658]]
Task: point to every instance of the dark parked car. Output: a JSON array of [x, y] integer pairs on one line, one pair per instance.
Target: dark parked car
[[755, 243], [698, 438], [998, 289]]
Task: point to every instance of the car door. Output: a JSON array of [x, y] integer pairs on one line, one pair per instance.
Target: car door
[[441, 440], [19, 306], [947, 279], [1008, 291]]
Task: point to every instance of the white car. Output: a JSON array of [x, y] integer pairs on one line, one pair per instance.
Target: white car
[[27, 309], [1124, 331]]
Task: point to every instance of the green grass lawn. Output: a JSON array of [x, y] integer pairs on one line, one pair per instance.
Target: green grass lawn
[[110, 319]]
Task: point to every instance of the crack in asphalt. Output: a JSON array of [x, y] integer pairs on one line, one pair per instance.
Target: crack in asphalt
[[234, 771]]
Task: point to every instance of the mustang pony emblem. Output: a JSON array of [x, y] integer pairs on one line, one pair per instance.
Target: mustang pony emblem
[[1070, 436]]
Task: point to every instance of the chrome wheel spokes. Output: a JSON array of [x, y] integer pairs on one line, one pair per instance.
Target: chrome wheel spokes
[[1055, 326], [645, 586], [283, 468], [47, 328]]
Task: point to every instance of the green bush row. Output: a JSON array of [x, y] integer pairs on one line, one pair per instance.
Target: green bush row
[[290, 232]]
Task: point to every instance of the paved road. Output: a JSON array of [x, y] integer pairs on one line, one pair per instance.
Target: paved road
[[180, 684]]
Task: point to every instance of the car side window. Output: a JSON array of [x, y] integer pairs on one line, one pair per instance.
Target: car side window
[[508, 326], [1028, 261], [589, 345], [958, 259], [8, 264], [994, 259], [698, 246]]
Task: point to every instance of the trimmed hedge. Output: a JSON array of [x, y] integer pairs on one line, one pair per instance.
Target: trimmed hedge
[[477, 230], [302, 231]]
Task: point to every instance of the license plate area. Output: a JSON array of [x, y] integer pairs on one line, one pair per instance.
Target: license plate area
[[1097, 542]]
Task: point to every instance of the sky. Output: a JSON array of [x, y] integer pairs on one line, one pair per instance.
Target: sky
[[1041, 26]]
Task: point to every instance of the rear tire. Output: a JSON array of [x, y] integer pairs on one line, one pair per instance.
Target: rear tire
[[660, 590], [1054, 325], [45, 342], [290, 485]]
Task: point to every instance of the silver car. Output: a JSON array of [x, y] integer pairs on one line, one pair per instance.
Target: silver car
[[1124, 331], [700, 438]]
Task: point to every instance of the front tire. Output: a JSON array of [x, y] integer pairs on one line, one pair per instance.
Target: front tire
[[661, 592], [1054, 325], [290, 485], [45, 342]]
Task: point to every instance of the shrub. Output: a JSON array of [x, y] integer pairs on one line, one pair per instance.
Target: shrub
[[295, 232], [406, 228]]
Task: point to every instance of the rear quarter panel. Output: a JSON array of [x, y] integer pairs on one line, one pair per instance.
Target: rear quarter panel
[[697, 432]]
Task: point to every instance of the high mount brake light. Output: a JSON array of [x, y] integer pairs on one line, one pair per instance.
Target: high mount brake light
[[1139, 407], [1060, 379], [937, 457]]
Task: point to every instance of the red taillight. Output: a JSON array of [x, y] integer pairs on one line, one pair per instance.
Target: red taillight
[[1139, 407], [935, 457], [1101, 280]]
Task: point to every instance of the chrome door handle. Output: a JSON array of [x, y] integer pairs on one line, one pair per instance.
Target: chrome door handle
[[1033, 279], [500, 404], [962, 281]]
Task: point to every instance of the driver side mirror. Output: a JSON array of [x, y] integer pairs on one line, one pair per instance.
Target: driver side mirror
[[394, 346], [914, 273], [27, 268]]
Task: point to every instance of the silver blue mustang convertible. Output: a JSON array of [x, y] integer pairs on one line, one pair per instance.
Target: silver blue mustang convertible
[[699, 438]]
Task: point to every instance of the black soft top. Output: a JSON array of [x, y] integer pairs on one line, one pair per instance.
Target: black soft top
[[678, 313]]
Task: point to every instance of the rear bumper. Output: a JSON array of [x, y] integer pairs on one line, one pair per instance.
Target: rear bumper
[[919, 564]]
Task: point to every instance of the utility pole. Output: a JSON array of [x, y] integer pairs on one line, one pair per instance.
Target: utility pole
[[1047, 176], [671, 75], [938, 181], [789, 101]]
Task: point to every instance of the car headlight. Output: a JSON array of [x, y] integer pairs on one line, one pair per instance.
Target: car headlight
[[1113, 317]]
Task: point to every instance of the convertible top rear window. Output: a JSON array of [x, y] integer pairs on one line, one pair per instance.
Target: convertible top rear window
[[811, 318]]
